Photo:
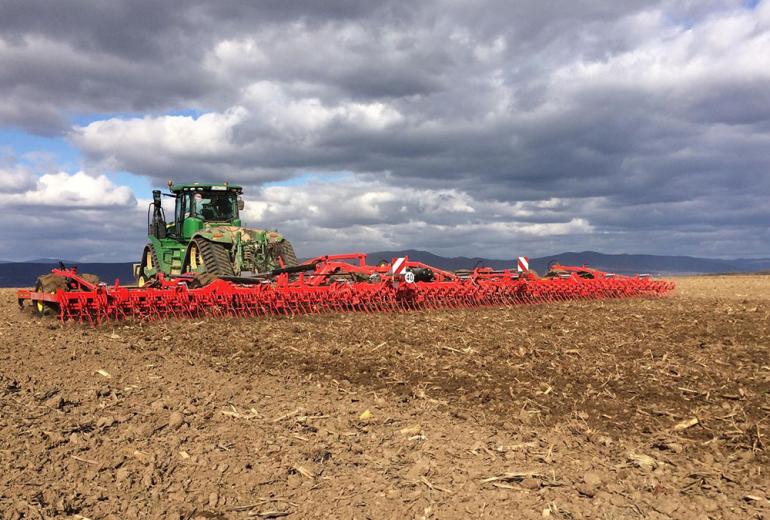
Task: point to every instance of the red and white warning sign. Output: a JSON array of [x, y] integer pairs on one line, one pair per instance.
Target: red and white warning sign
[[398, 269], [522, 264], [398, 266]]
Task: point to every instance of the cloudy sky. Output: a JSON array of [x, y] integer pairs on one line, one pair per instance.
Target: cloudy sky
[[490, 128]]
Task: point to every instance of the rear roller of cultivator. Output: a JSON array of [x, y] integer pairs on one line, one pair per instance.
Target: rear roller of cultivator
[[341, 283]]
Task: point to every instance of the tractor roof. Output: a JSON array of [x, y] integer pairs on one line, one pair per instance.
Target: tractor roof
[[176, 188]]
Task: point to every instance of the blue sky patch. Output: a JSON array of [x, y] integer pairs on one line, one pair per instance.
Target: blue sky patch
[[28, 149]]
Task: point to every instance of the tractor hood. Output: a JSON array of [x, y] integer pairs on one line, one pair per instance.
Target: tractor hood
[[235, 234]]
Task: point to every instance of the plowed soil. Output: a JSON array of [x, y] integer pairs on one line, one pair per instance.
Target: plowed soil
[[615, 409]]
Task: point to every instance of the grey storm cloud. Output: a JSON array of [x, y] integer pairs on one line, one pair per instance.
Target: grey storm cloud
[[458, 126]]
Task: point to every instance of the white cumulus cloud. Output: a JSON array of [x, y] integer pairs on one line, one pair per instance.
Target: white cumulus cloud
[[78, 190]]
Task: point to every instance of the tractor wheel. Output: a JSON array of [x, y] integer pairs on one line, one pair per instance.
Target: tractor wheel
[[285, 251], [208, 257], [149, 263], [47, 283]]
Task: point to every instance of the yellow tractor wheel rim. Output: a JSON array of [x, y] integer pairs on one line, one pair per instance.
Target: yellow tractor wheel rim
[[194, 257], [145, 269], [40, 306]]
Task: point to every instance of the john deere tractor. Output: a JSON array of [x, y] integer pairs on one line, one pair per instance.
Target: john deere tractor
[[206, 236]]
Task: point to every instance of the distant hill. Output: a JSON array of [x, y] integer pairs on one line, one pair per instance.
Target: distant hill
[[622, 263], [53, 261], [24, 274]]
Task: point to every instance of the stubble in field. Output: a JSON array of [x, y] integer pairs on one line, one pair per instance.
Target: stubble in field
[[652, 408]]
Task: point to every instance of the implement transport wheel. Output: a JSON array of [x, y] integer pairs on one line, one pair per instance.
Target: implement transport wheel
[[90, 278], [204, 256], [48, 283], [149, 268]]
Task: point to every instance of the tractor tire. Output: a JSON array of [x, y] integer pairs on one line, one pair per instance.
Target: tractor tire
[[285, 251], [149, 261], [206, 257]]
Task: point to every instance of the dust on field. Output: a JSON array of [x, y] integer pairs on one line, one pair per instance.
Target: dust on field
[[635, 408]]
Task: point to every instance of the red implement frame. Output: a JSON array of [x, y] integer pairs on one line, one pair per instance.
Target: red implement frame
[[339, 283]]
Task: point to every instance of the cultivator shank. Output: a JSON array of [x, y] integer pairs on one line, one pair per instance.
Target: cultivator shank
[[342, 283]]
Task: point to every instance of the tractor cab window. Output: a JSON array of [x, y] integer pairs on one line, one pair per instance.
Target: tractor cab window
[[215, 206], [187, 205], [181, 211]]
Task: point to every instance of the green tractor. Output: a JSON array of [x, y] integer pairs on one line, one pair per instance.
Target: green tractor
[[206, 237]]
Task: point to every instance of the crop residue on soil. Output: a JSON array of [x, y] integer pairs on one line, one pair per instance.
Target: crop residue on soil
[[614, 409]]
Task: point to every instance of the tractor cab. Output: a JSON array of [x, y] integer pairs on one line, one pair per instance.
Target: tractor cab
[[199, 205], [196, 206]]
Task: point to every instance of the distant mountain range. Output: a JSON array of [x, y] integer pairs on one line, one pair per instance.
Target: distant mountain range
[[24, 274], [621, 264], [54, 261]]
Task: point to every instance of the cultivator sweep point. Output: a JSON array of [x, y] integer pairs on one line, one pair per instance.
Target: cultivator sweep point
[[341, 283]]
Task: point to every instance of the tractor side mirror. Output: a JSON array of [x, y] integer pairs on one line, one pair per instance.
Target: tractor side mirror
[[156, 198], [241, 205]]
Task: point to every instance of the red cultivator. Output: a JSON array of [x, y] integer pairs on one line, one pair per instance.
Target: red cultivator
[[339, 283]]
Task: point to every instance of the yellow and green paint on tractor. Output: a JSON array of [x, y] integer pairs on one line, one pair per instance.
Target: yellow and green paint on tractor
[[206, 236]]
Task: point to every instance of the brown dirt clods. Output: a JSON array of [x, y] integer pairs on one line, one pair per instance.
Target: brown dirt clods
[[608, 409]]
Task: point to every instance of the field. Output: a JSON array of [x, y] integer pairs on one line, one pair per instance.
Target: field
[[615, 409]]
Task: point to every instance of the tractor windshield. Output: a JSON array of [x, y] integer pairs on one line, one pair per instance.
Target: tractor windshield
[[215, 206]]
